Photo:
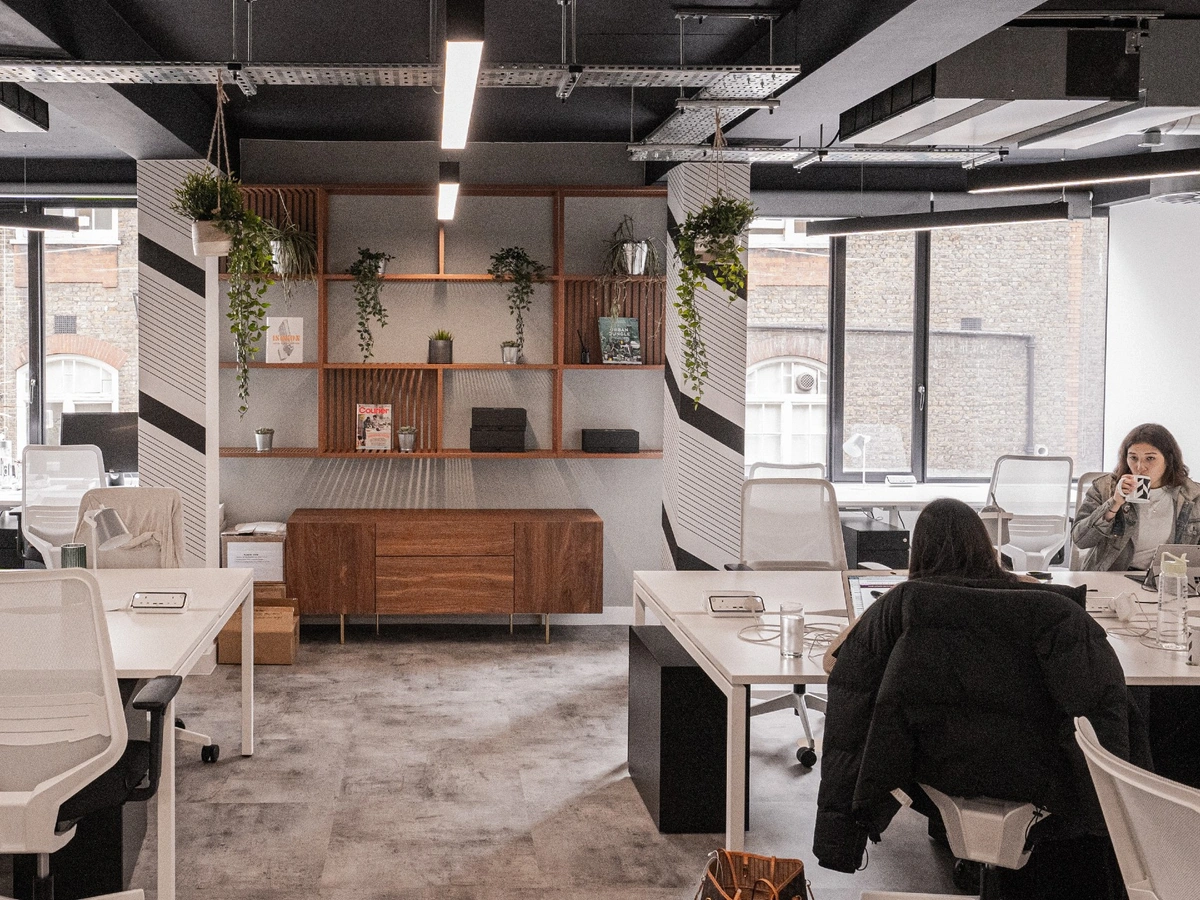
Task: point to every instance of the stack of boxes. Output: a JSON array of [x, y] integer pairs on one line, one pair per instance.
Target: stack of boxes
[[497, 429], [276, 616]]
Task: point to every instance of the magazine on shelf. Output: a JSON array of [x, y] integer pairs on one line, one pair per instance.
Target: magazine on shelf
[[285, 339], [373, 428], [620, 341]]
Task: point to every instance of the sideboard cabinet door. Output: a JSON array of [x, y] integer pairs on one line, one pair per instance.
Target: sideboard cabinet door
[[558, 566], [331, 567]]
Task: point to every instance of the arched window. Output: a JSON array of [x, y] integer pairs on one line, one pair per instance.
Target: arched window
[[786, 401], [73, 384]]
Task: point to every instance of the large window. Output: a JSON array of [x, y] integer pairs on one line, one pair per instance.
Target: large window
[[786, 411], [948, 348]]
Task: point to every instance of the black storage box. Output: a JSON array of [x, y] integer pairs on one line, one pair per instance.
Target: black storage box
[[610, 440], [491, 440], [871, 540], [497, 418]]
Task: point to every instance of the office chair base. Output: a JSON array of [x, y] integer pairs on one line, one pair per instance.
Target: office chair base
[[209, 752]]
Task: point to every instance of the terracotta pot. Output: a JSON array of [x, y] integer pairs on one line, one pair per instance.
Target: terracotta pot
[[209, 240]]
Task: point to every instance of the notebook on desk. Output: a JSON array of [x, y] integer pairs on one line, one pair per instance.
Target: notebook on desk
[[862, 590]]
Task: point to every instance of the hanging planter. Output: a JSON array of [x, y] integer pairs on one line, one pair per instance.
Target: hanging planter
[[368, 286], [522, 270], [626, 254], [293, 253], [213, 201]]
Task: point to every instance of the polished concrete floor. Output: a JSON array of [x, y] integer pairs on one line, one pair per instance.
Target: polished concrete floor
[[460, 763]]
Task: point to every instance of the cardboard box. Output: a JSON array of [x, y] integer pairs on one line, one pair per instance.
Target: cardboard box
[[261, 552], [276, 637]]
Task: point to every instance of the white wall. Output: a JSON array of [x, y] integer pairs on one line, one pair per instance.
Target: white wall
[[1153, 367]]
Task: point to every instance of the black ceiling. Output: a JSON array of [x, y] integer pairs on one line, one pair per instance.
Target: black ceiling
[[116, 124]]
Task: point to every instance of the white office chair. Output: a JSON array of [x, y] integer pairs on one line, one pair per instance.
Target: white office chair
[[55, 480], [1081, 489], [1036, 490], [153, 517], [792, 524], [1154, 823], [64, 748], [786, 470]]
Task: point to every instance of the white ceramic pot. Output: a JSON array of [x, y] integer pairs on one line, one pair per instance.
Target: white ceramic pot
[[209, 240], [633, 257]]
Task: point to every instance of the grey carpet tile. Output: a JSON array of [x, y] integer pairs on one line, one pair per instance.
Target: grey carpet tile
[[462, 763]]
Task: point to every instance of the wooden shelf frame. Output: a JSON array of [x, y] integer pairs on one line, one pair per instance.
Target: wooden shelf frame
[[417, 389]]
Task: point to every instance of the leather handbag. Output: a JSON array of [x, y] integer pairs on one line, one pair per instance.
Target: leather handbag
[[733, 875]]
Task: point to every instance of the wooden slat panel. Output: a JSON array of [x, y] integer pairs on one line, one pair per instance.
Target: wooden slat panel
[[444, 538], [438, 584], [559, 566], [585, 300], [411, 392]]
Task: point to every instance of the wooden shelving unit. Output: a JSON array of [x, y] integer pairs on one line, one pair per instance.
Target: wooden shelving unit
[[418, 390]]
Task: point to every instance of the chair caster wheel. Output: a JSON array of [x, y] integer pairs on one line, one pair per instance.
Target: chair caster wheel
[[179, 723], [211, 753], [966, 876], [807, 757]]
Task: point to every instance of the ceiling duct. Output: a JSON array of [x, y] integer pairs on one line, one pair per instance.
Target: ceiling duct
[[1052, 88]]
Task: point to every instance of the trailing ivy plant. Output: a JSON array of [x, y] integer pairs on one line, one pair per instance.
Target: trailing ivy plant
[[515, 264], [368, 286], [249, 267], [708, 244]]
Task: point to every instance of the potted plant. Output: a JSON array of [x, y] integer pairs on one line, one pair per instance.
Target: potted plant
[[213, 201], [708, 243], [263, 438], [626, 254], [293, 252], [368, 285], [441, 347], [406, 438], [514, 264], [510, 352], [249, 268]]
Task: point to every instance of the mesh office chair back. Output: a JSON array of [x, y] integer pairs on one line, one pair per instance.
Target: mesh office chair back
[[1037, 491], [791, 523], [55, 480], [61, 720], [1154, 823], [787, 470]]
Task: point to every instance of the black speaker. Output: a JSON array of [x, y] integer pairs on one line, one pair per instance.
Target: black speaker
[[491, 440], [497, 418], [610, 440]]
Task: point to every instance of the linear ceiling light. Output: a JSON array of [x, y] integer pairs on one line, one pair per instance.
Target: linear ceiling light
[[464, 51], [951, 218], [21, 110], [447, 195], [1081, 172], [34, 221]]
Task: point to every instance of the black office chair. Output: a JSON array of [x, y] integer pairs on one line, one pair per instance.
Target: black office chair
[[64, 748]]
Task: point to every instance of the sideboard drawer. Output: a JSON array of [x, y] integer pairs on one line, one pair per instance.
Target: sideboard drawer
[[412, 585], [433, 538]]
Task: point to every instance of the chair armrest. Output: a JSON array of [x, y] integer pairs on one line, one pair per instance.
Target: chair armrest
[[154, 698]]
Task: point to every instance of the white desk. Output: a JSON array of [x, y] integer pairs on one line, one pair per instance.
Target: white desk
[[677, 599], [851, 495], [146, 645]]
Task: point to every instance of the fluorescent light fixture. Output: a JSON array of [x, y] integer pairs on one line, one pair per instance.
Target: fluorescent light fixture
[[34, 221], [1081, 172], [951, 218], [464, 52], [726, 103], [21, 110], [447, 195]]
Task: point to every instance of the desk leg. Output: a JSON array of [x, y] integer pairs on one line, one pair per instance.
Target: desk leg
[[737, 721], [248, 676], [639, 609], [165, 816]]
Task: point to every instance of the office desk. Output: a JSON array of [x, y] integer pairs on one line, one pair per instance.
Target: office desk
[[851, 495], [678, 599], [146, 645]]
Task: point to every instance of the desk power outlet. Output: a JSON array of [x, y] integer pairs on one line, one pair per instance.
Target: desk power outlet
[[159, 601]]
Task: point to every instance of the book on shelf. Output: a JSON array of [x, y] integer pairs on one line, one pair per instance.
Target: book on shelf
[[285, 339], [373, 426], [620, 341]]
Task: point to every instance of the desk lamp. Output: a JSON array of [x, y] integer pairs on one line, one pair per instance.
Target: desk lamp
[[856, 448], [108, 530]]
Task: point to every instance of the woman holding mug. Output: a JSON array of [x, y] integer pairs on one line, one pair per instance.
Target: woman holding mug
[[1120, 523]]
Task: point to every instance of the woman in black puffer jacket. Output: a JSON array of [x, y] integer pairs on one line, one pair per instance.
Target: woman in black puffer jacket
[[967, 679]]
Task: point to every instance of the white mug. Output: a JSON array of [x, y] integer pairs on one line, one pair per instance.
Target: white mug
[[1141, 489]]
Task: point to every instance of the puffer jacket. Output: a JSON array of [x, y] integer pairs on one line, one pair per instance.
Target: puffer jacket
[[970, 687], [1110, 544]]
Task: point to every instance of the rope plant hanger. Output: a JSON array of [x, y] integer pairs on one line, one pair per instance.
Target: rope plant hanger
[[709, 247]]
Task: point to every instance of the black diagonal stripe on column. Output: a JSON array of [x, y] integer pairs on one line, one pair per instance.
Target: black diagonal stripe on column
[[704, 419], [171, 421], [684, 561], [183, 272]]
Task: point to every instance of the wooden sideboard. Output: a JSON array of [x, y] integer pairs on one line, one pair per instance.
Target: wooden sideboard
[[348, 562]]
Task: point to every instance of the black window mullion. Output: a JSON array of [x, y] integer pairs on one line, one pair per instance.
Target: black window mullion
[[920, 407], [36, 259], [837, 355]]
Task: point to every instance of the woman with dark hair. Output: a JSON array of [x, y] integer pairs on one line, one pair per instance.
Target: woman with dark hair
[[967, 678], [1122, 534]]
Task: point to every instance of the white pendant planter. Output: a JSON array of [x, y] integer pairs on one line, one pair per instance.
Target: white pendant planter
[[209, 240], [633, 257]]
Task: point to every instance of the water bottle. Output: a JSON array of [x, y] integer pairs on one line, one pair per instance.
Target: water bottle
[[1172, 602]]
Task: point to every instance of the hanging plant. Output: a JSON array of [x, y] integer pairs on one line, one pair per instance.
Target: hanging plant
[[368, 286], [626, 254], [249, 267], [708, 244], [294, 253], [522, 270], [213, 201]]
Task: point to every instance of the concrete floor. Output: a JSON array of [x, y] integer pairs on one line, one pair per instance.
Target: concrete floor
[[460, 763]]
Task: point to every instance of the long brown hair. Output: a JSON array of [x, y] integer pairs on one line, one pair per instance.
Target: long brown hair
[[950, 539], [1162, 441]]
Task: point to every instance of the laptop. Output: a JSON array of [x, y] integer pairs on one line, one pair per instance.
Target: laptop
[[864, 588], [1149, 579]]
